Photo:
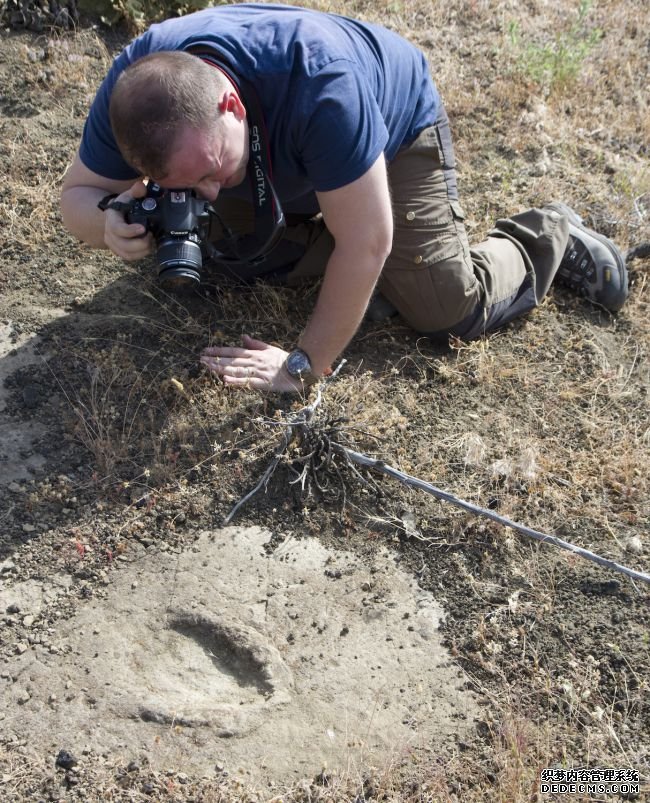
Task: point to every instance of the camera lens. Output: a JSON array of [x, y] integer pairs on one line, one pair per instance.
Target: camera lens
[[179, 263]]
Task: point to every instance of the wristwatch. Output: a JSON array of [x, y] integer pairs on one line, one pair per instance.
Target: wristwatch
[[298, 366]]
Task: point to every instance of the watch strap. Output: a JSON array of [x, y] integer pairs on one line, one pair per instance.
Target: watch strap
[[307, 376]]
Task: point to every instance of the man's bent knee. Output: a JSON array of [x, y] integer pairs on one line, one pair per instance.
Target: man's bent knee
[[433, 297]]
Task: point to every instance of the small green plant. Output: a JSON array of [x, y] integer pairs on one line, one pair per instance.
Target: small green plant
[[556, 64]]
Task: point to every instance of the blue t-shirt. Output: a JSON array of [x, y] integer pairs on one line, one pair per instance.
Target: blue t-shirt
[[335, 92]]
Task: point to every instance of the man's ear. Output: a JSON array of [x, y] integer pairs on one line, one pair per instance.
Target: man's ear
[[231, 102]]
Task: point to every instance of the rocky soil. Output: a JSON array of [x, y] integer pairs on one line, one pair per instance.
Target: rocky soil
[[119, 457]]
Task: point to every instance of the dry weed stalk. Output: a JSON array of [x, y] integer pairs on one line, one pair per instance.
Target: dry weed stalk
[[323, 443], [318, 442]]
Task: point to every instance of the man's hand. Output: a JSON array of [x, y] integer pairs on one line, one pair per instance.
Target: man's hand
[[257, 365], [82, 190], [130, 241]]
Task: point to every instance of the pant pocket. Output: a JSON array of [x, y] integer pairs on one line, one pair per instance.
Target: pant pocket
[[424, 232]]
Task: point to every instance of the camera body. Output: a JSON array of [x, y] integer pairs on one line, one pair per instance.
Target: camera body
[[179, 222]]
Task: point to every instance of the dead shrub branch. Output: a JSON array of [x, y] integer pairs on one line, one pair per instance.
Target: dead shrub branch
[[297, 425], [318, 445]]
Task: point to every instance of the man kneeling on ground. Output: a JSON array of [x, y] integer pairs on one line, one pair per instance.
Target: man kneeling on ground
[[338, 124]]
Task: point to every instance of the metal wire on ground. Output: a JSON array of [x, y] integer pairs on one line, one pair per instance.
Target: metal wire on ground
[[322, 445]]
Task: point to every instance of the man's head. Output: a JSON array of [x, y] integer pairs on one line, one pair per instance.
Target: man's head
[[181, 122]]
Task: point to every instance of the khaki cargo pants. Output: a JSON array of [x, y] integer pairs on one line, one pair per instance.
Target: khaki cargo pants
[[437, 282]]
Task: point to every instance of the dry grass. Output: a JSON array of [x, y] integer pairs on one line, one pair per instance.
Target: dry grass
[[547, 421]]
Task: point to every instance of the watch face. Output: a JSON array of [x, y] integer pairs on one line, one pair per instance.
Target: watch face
[[298, 364]]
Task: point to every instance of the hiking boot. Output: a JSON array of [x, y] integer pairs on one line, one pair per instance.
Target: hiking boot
[[592, 265]]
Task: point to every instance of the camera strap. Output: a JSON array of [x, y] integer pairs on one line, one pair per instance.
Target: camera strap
[[269, 217], [109, 202]]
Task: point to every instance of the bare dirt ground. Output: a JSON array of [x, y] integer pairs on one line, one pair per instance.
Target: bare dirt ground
[[118, 451]]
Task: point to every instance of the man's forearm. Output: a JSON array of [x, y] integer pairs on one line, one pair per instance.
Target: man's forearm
[[347, 286], [82, 217]]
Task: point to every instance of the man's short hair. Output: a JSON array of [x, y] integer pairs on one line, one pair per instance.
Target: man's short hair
[[156, 97]]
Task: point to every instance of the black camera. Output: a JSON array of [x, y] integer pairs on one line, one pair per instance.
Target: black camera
[[179, 222]]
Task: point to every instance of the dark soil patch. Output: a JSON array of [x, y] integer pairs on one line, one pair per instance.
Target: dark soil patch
[[546, 422]]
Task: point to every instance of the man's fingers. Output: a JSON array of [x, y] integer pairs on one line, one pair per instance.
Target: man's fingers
[[237, 368], [129, 231], [119, 229], [259, 366], [251, 343], [209, 361], [234, 374], [225, 351], [129, 250], [242, 376], [129, 241], [138, 190]]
